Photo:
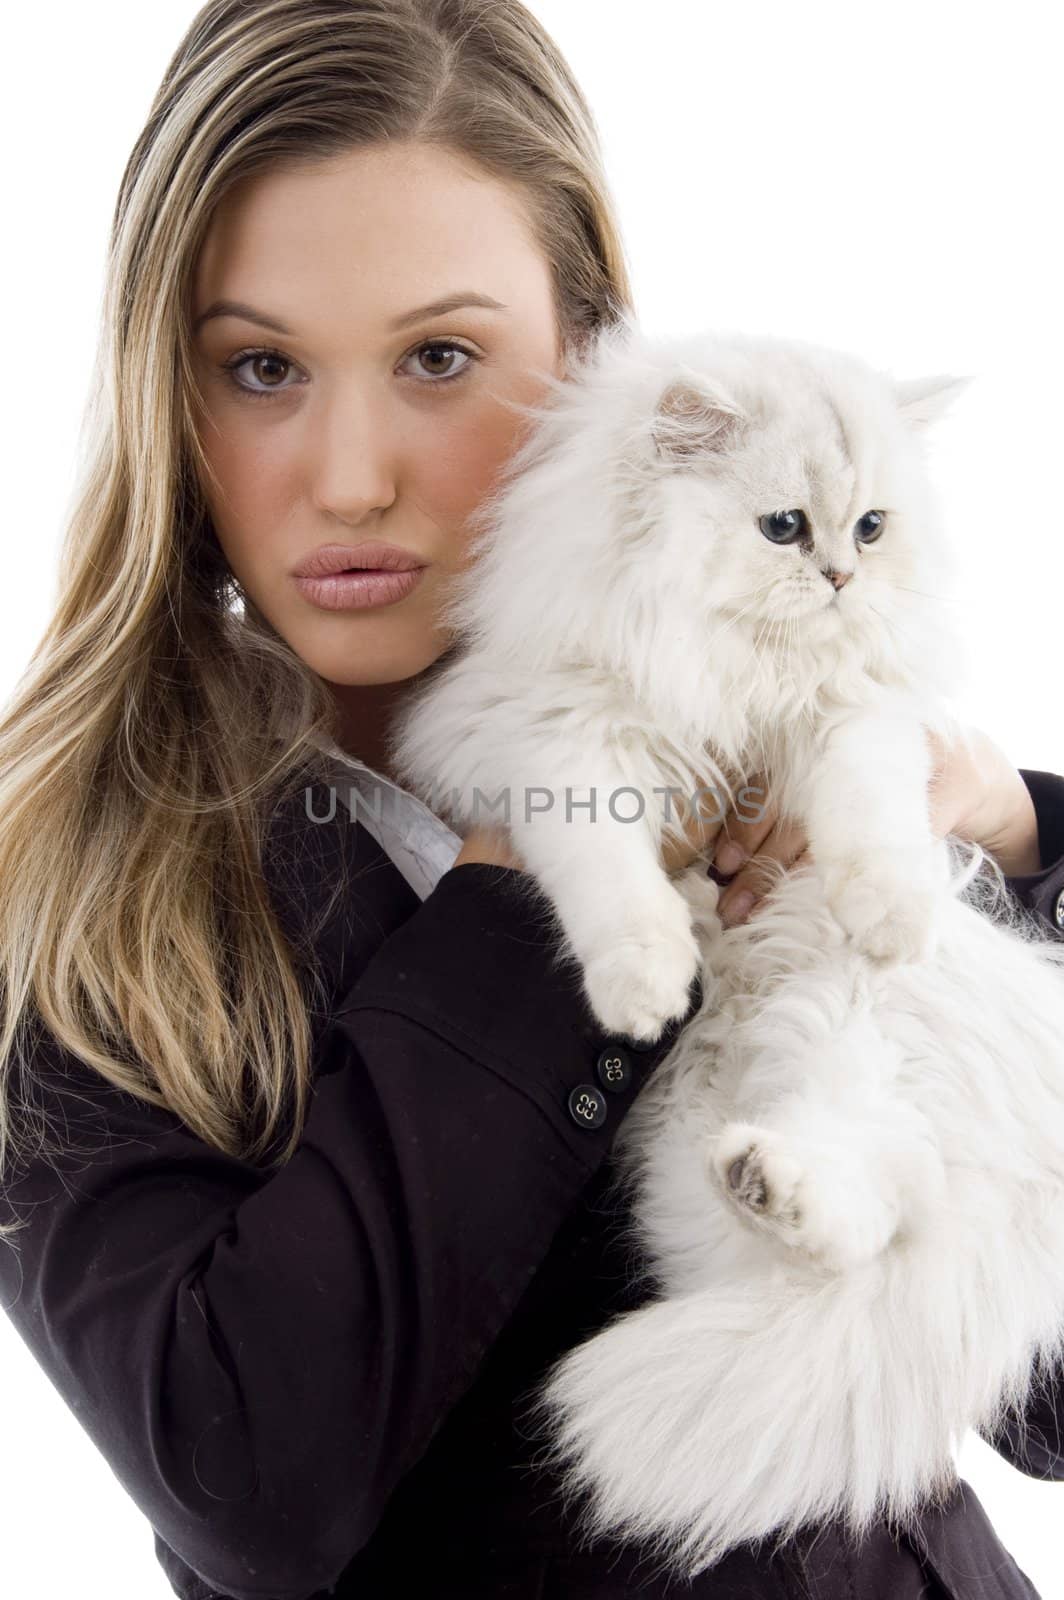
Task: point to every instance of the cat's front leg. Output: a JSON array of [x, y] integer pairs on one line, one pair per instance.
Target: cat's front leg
[[868, 820], [625, 921]]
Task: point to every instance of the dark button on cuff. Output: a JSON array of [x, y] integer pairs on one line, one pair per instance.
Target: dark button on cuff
[[613, 1069], [587, 1106], [1058, 910]]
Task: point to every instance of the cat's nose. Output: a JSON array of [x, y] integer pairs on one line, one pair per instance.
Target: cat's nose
[[836, 579]]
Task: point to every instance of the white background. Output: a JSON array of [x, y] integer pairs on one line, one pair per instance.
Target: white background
[[878, 178]]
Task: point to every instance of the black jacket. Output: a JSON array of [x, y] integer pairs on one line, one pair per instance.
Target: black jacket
[[312, 1381]]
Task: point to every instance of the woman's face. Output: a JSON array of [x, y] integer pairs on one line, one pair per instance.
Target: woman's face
[[346, 427]]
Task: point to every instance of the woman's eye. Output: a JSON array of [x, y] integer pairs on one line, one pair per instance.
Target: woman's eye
[[266, 371], [445, 348]]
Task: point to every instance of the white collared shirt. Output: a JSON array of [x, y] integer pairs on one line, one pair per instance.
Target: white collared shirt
[[420, 843]]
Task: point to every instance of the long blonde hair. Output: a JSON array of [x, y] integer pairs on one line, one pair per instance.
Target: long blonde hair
[[161, 710]]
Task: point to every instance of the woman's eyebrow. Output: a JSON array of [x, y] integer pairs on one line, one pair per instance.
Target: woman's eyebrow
[[435, 308], [443, 308], [237, 308]]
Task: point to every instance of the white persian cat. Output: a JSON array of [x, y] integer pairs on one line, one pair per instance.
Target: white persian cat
[[721, 555]]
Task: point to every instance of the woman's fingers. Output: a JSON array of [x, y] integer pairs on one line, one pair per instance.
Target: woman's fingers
[[745, 827], [784, 845], [747, 831], [701, 825]]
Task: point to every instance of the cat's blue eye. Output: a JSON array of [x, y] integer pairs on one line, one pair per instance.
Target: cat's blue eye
[[783, 527], [869, 527]]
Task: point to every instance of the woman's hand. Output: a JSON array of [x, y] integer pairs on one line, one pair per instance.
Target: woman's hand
[[978, 794], [490, 845], [702, 831], [975, 793]]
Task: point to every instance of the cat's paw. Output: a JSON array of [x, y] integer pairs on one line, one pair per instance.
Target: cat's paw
[[641, 979], [891, 917], [702, 896], [818, 1202]]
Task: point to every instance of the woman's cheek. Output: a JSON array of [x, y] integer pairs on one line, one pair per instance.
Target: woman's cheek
[[250, 500], [464, 467]]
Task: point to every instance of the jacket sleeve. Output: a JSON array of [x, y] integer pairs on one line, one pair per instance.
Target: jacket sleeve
[[260, 1357], [1036, 1445]]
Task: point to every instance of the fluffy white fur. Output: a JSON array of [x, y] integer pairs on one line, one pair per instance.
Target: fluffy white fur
[[847, 1178]]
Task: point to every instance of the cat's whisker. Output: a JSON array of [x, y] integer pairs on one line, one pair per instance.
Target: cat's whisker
[[753, 652], [925, 594], [896, 626], [733, 620]]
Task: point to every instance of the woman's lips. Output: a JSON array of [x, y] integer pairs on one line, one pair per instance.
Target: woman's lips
[[357, 591]]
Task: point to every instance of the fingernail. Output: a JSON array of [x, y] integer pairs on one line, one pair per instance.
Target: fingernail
[[737, 908], [729, 858]]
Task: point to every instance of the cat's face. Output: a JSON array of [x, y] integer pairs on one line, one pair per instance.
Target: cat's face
[[792, 482], [705, 489]]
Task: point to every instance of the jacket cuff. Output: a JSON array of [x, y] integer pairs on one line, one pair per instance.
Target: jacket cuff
[[480, 964], [1043, 891]]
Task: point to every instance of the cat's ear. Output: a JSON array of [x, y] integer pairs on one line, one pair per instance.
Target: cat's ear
[[692, 422], [924, 400]]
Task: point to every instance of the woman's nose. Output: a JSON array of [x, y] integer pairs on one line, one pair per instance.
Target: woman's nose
[[351, 462]]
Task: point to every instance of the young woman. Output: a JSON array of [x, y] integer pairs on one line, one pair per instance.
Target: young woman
[[304, 1146]]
